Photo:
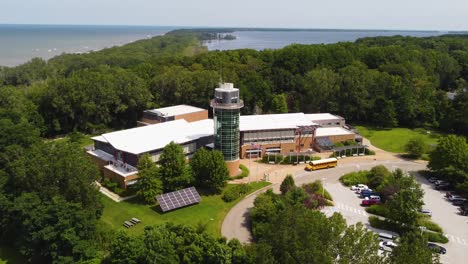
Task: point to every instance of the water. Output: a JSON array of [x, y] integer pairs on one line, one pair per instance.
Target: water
[[20, 43], [260, 40]]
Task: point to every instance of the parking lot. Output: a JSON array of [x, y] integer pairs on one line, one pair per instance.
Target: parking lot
[[444, 213]]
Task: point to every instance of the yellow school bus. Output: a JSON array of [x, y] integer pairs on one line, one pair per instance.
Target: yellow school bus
[[321, 164]]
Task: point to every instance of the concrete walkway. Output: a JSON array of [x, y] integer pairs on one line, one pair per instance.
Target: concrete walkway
[[115, 197]]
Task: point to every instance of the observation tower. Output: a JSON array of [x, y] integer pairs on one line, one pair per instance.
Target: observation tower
[[226, 113]]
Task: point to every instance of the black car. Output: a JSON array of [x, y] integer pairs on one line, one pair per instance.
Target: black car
[[464, 209], [436, 248], [432, 179], [442, 186], [460, 201]]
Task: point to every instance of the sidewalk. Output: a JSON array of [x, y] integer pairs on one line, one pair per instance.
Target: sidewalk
[[115, 197]]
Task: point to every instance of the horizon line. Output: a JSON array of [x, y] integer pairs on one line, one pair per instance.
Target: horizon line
[[239, 27]]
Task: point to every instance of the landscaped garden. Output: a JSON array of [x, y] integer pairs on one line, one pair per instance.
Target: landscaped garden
[[395, 139], [209, 213]]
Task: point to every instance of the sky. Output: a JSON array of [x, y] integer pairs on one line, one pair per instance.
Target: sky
[[341, 14]]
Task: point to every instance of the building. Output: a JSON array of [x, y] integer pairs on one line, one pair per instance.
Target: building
[[226, 114], [289, 133], [161, 115], [117, 153]]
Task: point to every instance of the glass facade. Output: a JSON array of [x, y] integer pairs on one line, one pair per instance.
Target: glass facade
[[226, 122]]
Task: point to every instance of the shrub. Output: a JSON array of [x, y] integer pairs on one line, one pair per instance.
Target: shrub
[[276, 158], [436, 237], [235, 192], [416, 147], [369, 152], [376, 222], [299, 158], [244, 172], [377, 209], [316, 188], [354, 178], [429, 225]]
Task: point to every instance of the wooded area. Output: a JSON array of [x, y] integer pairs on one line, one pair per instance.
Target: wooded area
[[50, 208]]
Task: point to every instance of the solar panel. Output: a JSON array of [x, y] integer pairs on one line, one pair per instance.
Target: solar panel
[[178, 199]]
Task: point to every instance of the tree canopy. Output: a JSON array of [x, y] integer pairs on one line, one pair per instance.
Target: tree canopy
[[209, 170]]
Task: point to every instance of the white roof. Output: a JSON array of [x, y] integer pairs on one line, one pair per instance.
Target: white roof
[[176, 110], [274, 121], [323, 116], [331, 131], [152, 137]]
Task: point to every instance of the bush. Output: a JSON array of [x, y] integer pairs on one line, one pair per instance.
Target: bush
[[316, 187], [416, 147], [354, 178], [429, 225], [376, 222], [369, 152], [235, 192], [299, 158], [244, 172], [115, 188], [436, 237], [377, 209], [276, 158]]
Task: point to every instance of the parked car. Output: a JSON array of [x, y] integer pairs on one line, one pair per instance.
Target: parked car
[[438, 182], [442, 186], [454, 197], [460, 201], [432, 179], [427, 212], [449, 194], [366, 193], [387, 236], [357, 186], [436, 248], [463, 209], [387, 246], [371, 200], [359, 190]]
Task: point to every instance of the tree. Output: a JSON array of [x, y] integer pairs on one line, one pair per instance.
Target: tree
[[169, 243], [413, 249], [52, 205], [357, 245], [279, 104], [287, 184], [149, 183], [416, 147], [405, 206], [175, 174], [376, 175], [450, 151], [209, 169]]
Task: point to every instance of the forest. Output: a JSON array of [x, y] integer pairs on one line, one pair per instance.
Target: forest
[[50, 209], [383, 81]]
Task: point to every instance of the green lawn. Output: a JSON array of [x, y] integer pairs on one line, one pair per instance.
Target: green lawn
[[395, 139], [9, 255], [210, 212]]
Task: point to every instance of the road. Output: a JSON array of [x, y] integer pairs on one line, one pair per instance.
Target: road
[[236, 223]]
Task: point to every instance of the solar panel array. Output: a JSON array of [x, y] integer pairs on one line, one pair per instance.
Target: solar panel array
[[178, 199]]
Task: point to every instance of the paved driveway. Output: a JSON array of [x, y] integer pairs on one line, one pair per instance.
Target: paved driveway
[[236, 223]]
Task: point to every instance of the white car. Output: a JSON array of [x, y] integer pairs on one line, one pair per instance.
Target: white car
[[359, 186], [427, 212], [387, 246]]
